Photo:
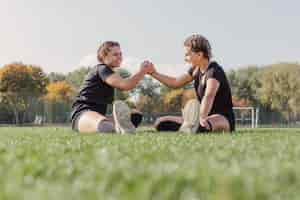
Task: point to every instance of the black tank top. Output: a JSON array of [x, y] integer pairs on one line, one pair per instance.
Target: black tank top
[[94, 89], [223, 100]]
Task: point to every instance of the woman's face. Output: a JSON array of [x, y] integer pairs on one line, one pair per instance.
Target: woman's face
[[191, 57], [113, 57]]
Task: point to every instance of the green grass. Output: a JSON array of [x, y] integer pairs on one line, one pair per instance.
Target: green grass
[[55, 163]]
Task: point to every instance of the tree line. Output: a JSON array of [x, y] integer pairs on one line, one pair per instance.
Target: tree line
[[26, 91]]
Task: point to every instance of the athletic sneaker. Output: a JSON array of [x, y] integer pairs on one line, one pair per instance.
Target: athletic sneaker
[[121, 114], [190, 115]]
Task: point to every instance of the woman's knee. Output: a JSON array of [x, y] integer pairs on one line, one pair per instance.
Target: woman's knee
[[218, 123], [160, 120], [88, 122]]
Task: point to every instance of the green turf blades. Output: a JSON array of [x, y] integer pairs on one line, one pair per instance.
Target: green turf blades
[[55, 163]]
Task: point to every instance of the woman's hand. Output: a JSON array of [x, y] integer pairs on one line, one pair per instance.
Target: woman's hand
[[147, 67], [203, 123]]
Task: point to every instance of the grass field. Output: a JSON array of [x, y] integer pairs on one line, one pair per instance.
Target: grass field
[[55, 163]]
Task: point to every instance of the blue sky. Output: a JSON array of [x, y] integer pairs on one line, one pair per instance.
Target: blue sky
[[61, 35]]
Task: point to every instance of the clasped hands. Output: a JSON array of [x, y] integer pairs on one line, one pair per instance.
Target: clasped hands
[[147, 67]]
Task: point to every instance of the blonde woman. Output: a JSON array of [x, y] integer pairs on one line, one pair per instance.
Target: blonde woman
[[213, 108]]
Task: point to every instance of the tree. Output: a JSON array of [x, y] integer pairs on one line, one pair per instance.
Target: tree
[[54, 77], [187, 95], [173, 100], [245, 83], [146, 105], [20, 84], [281, 88], [147, 87], [149, 98], [76, 77], [6, 116], [240, 102], [59, 91], [58, 98]]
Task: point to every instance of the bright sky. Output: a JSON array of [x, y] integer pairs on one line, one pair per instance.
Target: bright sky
[[61, 35]]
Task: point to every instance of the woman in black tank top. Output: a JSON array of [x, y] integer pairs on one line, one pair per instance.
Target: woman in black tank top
[[215, 110], [97, 91]]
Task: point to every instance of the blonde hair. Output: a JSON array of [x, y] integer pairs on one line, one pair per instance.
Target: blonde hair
[[199, 43], [104, 49]]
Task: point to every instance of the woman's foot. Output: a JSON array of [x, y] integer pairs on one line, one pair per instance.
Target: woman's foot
[[190, 115], [122, 118]]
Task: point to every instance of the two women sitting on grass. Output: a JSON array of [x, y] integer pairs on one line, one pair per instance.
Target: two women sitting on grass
[[211, 111]]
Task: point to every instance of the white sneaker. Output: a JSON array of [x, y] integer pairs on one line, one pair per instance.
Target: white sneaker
[[190, 115], [121, 115]]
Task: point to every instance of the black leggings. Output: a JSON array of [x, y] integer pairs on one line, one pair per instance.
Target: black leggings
[[174, 126], [169, 125]]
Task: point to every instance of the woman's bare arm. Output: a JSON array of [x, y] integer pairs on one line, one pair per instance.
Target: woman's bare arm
[[117, 81], [173, 82], [212, 86]]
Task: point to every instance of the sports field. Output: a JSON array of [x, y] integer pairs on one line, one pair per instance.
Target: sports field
[[55, 163]]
